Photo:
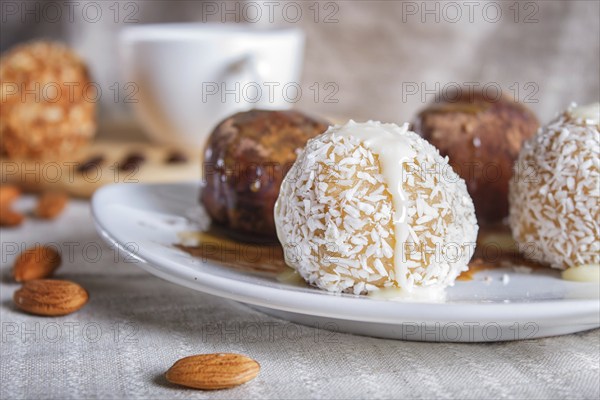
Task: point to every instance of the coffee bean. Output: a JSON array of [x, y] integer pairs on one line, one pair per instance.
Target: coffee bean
[[176, 157], [132, 161], [92, 163]]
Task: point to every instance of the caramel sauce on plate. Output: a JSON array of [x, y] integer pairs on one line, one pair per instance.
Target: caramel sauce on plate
[[215, 246], [495, 249]]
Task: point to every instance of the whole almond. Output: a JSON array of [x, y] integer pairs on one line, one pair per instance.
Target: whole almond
[[8, 194], [10, 218], [36, 263], [213, 371], [50, 297], [51, 204]]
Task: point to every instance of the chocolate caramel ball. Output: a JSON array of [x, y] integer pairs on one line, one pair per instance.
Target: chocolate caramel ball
[[482, 136], [245, 159]]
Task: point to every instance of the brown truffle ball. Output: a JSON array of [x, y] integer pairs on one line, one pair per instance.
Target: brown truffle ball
[[47, 104], [246, 158], [482, 137]]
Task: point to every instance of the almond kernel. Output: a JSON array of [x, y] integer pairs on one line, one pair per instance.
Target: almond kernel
[[36, 263], [50, 297], [10, 218], [51, 204], [8, 194], [213, 371]]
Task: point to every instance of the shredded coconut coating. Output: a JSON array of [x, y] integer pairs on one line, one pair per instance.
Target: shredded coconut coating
[[335, 218], [554, 194]]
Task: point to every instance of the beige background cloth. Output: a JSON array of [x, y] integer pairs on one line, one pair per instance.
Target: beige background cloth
[[544, 53]]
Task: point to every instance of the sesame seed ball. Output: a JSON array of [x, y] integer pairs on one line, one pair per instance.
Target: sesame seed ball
[[554, 194], [44, 112], [368, 206]]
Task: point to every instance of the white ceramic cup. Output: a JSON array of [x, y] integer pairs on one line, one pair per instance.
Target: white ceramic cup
[[188, 77]]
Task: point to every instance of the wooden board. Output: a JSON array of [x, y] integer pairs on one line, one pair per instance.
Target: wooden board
[[102, 163]]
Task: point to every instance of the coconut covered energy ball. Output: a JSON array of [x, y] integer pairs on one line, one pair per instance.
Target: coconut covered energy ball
[[554, 195], [368, 206]]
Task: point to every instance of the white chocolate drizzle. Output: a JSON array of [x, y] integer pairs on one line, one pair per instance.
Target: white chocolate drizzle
[[390, 144], [582, 273], [589, 113]]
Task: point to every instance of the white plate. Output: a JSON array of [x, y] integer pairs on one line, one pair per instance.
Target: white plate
[[144, 222]]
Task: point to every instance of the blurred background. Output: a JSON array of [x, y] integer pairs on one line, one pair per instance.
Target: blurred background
[[385, 59]]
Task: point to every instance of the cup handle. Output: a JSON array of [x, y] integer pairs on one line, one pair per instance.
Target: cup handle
[[245, 71]]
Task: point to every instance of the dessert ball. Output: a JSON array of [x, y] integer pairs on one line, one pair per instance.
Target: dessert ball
[[482, 137], [368, 206], [554, 195], [47, 103], [245, 160]]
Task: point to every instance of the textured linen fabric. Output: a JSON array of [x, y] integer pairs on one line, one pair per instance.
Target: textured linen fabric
[[136, 326]]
